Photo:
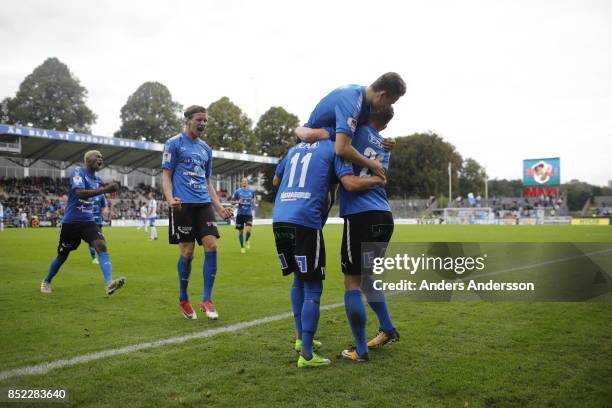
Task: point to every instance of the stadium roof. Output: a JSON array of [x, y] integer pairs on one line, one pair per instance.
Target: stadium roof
[[26, 145]]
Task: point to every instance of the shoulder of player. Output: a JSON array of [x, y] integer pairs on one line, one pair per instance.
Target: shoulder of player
[[174, 139]]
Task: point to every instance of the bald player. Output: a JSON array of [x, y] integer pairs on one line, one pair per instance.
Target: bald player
[[78, 221]]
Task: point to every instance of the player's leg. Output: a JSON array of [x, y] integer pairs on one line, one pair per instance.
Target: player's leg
[[180, 231], [153, 229], [240, 228], [91, 233], [379, 229], [92, 253], [310, 257], [209, 272], [69, 240], [206, 228], [183, 267], [248, 228], [353, 303]]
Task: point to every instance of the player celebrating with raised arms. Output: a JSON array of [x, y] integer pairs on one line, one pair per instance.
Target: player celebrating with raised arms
[[78, 222], [301, 204], [187, 168], [245, 199]]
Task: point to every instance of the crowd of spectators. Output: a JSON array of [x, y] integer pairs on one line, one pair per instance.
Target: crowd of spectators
[[41, 198]]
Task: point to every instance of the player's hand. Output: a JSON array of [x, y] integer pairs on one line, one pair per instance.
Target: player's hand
[[388, 144], [380, 182], [377, 169], [175, 202], [111, 187], [226, 213]]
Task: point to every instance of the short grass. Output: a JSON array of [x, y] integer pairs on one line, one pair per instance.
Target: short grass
[[451, 354]]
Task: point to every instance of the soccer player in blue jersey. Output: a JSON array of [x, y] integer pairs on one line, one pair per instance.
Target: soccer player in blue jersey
[[78, 222], [187, 168], [347, 107], [301, 205], [245, 199], [99, 209], [367, 218]]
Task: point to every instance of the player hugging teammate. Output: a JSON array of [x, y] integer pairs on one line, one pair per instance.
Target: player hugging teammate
[[351, 117]]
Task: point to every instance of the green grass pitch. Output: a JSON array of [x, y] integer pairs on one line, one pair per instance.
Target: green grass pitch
[[456, 354]]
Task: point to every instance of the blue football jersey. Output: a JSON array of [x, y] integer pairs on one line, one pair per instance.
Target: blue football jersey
[[98, 206], [306, 172], [191, 162], [368, 142], [79, 209], [245, 198], [343, 109]]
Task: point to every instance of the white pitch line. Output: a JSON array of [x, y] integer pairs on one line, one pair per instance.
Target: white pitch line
[[46, 367]]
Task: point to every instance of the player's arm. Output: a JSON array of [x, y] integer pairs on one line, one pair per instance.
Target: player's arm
[[278, 172], [345, 149], [107, 188], [311, 135], [174, 202], [222, 211], [355, 183], [235, 199]]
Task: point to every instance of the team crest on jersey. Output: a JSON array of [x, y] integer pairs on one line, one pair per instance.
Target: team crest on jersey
[[76, 179], [352, 123], [166, 157]]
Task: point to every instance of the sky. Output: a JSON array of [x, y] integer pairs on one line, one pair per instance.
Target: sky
[[502, 81]]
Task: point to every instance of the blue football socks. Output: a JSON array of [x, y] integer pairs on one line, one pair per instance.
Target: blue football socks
[[356, 315], [106, 266], [382, 312], [297, 301], [241, 239], [209, 272], [53, 269], [184, 272], [310, 315]]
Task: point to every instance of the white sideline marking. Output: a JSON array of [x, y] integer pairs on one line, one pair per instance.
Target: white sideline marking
[[46, 367]]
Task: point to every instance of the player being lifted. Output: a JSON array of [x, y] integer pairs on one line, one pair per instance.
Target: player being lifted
[[152, 215], [78, 222], [349, 106], [300, 208], [187, 168], [99, 210], [245, 199]]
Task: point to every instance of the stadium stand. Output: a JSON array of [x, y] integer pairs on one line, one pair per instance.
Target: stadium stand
[[35, 164]]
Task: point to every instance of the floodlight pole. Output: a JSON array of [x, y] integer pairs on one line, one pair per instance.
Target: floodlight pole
[[450, 185]]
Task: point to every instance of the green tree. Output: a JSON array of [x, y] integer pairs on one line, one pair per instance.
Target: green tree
[[419, 166], [505, 188], [472, 178], [274, 133], [229, 128], [150, 114], [51, 97]]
